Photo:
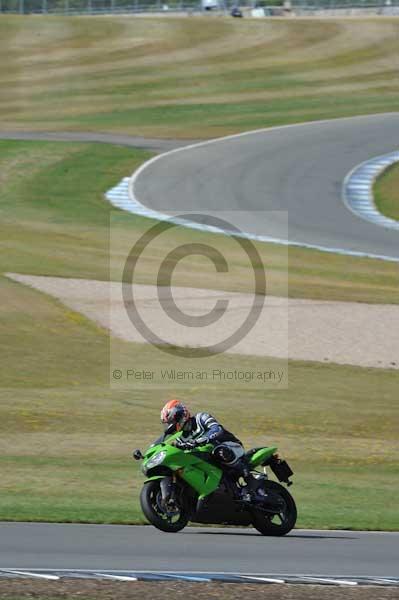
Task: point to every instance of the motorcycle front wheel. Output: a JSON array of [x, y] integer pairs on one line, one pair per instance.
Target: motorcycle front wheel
[[281, 522], [169, 519]]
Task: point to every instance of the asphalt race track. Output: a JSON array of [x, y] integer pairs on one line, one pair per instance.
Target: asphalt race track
[[293, 172], [298, 169], [119, 547]]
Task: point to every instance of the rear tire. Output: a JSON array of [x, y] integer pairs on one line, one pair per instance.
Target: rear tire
[[150, 500], [281, 523]]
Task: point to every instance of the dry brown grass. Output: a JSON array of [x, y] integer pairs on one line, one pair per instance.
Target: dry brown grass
[[182, 77]]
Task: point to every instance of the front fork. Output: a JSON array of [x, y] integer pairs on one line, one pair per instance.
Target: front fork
[[168, 490]]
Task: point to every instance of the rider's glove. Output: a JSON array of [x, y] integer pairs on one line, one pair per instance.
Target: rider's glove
[[189, 445]]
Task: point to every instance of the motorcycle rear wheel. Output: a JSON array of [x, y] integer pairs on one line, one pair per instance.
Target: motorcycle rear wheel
[[150, 500], [281, 523]]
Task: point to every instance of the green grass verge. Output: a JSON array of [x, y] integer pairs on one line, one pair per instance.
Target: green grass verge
[[65, 435], [386, 192], [200, 77]]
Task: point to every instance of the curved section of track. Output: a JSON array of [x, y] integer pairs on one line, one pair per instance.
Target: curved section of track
[[297, 169], [116, 547]]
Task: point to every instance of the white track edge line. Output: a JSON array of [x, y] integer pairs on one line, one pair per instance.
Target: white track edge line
[[31, 574], [265, 579], [219, 577], [133, 206], [332, 580], [192, 572], [116, 577]]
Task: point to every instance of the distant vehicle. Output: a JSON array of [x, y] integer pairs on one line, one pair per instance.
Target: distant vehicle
[[187, 485], [210, 4], [236, 12]]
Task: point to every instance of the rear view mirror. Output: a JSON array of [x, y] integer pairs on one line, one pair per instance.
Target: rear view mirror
[[137, 455]]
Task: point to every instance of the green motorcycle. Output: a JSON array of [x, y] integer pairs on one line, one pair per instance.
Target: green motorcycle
[[189, 485]]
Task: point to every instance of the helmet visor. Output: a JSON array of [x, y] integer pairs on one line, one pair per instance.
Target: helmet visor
[[169, 428]]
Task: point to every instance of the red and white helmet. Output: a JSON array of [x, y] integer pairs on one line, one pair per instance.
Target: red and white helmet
[[175, 413]]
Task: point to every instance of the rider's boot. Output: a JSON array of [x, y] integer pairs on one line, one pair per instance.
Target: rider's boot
[[243, 472]]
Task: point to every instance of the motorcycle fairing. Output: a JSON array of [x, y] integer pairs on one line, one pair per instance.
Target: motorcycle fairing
[[261, 456]]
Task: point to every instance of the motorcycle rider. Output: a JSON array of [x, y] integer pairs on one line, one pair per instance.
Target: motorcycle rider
[[203, 428]]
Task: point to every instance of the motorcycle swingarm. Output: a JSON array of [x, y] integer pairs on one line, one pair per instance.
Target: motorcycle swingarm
[[268, 511], [268, 506]]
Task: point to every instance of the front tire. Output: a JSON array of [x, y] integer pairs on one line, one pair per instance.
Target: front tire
[[158, 515], [280, 523]]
